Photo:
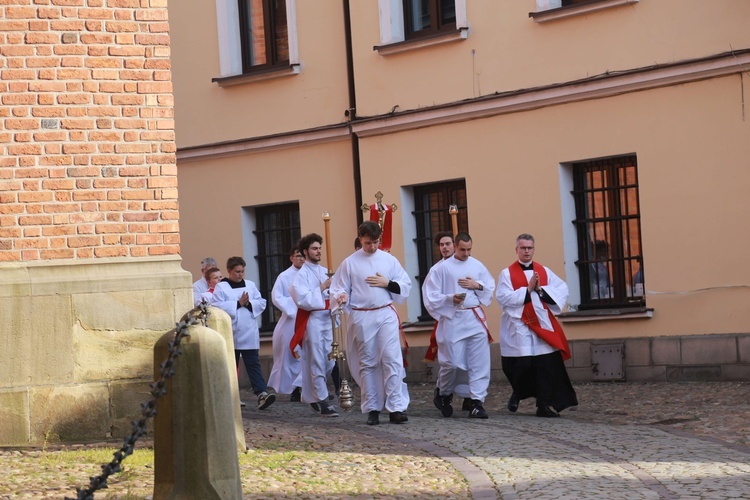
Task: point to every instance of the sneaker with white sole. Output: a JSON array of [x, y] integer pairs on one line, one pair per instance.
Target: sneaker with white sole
[[265, 400]]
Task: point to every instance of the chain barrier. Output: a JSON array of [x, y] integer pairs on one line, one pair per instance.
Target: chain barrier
[[148, 410]]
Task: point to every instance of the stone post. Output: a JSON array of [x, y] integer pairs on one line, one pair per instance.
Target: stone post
[[221, 322], [194, 443]]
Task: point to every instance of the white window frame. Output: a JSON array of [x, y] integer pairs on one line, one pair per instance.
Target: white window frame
[[230, 48], [557, 12], [391, 14], [411, 260]]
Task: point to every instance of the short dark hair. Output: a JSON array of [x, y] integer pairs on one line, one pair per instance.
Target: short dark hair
[[524, 236], [357, 243], [442, 234], [307, 240], [462, 237], [209, 272], [294, 251], [233, 262], [371, 229]]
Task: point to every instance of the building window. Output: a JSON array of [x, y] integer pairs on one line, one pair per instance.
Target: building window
[[402, 20], [277, 229], [608, 230], [263, 33], [256, 35], [425, 17], [431, 203]]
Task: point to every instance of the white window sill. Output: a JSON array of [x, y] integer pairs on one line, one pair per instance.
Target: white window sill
[[419, 43], [605, 315], [268, 74], [577, 10]]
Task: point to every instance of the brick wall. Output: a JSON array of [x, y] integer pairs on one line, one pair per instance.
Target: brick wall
[[87, 151]]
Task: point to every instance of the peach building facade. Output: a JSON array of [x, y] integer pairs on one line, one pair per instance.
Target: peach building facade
[[614, 131]]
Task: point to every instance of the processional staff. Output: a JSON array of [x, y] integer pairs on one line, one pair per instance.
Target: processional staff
[[453, 210], [345, 393]]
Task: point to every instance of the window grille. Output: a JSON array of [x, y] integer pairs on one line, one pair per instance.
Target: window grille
[[277, 230], [431, 202], [608, 227]]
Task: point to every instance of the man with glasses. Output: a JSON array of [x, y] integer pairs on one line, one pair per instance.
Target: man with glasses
[[532, 343]]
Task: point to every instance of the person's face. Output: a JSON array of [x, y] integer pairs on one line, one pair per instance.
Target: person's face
[[297, 259], [525, 250], [214, 279], [446, 246], [237, 273], [463, 250], [314, 252], [369, 245]]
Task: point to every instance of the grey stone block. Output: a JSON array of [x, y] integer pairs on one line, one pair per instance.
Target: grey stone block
[[693, 373], [646, 374], [581, 374], [743, 348], [637, 352], [735, 372], [14, 417], [709, 350], [665, 350], [581, 350]]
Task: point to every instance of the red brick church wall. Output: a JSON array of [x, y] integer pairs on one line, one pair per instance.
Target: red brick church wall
[[87, 151]]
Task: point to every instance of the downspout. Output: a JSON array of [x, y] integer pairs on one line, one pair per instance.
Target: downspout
[[351, 112]]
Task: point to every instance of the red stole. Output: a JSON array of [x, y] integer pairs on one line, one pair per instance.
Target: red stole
[[556, 337], [300, 325]]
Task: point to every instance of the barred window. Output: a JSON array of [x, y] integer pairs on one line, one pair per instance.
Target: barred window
[[277, 230], [431, 203], [608, 228]]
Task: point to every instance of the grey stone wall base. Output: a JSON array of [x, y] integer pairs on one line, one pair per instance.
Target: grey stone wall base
[[78, 341]]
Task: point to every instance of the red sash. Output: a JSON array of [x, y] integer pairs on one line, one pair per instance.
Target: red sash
[[556, 337], [300, 325], [432, 351]]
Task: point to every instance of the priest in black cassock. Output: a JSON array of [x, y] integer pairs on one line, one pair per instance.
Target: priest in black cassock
[[532, 343]]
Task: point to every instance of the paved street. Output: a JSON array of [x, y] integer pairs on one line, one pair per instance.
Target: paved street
[[626, 440], [522, 456]]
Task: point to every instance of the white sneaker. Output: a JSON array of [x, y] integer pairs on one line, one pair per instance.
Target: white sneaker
[[265, 400]]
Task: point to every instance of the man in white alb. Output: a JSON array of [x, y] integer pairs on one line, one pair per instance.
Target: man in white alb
[[285, 370], [454, 293], [201, 285], [313, 329], [367, 283]]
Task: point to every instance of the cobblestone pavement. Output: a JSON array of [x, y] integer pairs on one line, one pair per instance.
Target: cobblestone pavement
[[625, 440]]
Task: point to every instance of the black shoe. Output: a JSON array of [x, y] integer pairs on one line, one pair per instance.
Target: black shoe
[[398, 417], [546, 412], [447, 409], [373, 418], [477, 410], [327, 410], [296, 395], [466, 404], [437, 400], [315, 407], [513, 403]]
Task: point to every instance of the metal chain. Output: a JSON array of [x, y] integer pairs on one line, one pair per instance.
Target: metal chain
[[148, 410]]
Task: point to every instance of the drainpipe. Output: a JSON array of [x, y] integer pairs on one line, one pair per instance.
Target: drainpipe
[[351, 112]]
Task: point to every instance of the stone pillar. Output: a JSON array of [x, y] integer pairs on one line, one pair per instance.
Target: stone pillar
[[194, 441], [221, 322]]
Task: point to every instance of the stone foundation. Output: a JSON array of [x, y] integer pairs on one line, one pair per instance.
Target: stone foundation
[[77, 341]]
